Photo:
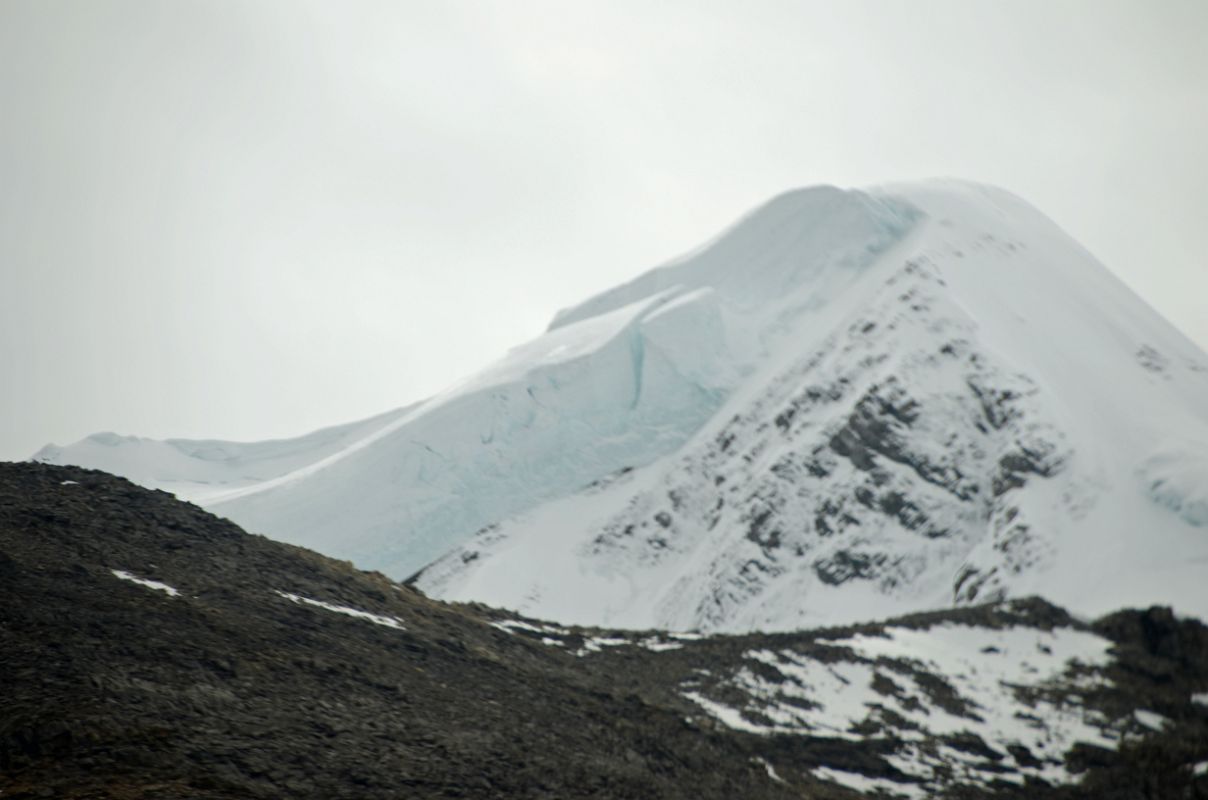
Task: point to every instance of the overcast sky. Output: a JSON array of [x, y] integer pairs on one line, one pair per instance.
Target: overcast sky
[[248, 220]]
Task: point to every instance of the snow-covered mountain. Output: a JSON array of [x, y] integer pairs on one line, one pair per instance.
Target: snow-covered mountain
[[600, 392], [851, 404]]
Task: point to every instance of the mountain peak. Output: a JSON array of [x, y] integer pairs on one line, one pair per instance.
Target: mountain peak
[[849, 404], [778, 248]]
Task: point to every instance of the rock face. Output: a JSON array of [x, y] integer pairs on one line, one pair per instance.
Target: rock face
[[151, 650], [851, 404]]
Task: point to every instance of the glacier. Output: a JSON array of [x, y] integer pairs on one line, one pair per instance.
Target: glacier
[[849, 404]]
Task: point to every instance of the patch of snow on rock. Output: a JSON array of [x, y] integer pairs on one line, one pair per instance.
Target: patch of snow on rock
[[150, 584], [770, 769], [1150, 719], [657, 645], [863, 783], [595, 644], [376, 619], [515, 625]]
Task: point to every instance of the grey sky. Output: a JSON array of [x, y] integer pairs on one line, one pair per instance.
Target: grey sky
[[248, 220]]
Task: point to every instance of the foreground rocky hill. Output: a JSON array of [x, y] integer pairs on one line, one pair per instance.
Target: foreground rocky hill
[[151, 650]]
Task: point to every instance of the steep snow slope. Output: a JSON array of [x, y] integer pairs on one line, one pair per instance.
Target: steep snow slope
[[984, 411], [607, 388]]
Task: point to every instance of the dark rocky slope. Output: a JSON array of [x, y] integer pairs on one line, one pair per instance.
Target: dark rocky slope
[[238, 687]]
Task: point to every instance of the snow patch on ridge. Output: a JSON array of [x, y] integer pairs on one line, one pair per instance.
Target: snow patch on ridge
[[862, 783], [150, 584], [986, 695], [376, 619]]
